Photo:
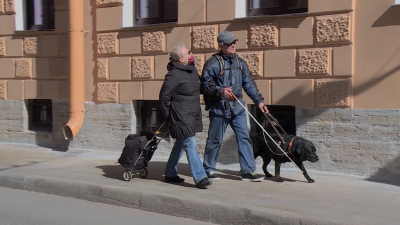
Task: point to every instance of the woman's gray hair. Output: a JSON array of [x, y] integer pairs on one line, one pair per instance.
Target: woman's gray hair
[[175, 54]]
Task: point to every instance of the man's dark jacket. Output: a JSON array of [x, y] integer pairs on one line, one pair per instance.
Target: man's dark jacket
[[180, 100]]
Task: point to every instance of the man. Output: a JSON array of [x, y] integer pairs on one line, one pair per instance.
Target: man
[[217, 85]]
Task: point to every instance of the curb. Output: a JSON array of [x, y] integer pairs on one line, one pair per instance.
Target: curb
[[214, 212]]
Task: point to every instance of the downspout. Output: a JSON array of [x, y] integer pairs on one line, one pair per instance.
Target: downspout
[[76, 59]]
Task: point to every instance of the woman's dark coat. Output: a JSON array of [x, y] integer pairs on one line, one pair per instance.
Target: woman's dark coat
[[180, 100]]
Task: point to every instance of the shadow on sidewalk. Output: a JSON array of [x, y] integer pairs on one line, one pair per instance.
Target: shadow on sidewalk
[[155, 171]]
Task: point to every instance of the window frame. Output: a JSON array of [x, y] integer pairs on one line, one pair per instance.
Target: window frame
[[280, 10], [155, 20], [48, 11]]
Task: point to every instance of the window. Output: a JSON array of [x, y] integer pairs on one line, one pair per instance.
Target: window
[[40, 115], [39, 14], [276, 7], [285, 115], [149, 117], [156, 11]]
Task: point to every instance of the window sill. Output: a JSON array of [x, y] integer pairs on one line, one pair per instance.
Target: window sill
[[33, 32], [395, 5], [274, 16]]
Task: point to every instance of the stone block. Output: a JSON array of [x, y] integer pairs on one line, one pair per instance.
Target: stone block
[[31, 45], [178, 35], [61, 21], [102, 68], [59, 68], [263, 35], [160, 66], [9, 6], [153, 41], [129, 91], [333, 28], [3, 90], [49, 45], [263, 87], [214, 10], [23, 68], [298, 93], [107, 92], [255, 62], [130, 42], [64, 90], [32, 89], [7, 68], [333, 92], [60, 5], [314, 61], [2, 7], [191, 11], [205, 37], [50, 90], [41, 68], [108, 2], [119, 68], [106, 22], [151, 89], [199, 62], [107, 43], [15, 90], [342, 61], [296, 31], [142, 67], [239, 31], [2, 46], [7, 24], [279, 63], [14, 46], [63, 44]]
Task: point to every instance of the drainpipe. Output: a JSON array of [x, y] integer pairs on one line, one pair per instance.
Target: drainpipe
[[76, 59]]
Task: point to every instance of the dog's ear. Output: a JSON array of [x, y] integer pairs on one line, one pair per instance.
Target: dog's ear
[[300, 148]]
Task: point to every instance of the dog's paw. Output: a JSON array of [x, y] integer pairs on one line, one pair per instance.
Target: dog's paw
[[268, 175], [311, 181], [279, 180]]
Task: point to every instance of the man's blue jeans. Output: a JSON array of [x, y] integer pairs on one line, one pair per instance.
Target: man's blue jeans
[[189, 146], [216, 133]]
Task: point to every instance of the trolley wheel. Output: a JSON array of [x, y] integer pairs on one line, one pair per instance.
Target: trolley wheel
[[127, 175], [143, 172]]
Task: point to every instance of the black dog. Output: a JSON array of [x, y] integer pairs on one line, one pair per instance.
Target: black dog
[[300, 150]]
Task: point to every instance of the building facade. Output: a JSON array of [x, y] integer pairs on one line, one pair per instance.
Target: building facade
[[333, 64]]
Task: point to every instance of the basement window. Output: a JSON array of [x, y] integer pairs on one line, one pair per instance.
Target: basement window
[[40, 115], [285, 114], [149, 117]]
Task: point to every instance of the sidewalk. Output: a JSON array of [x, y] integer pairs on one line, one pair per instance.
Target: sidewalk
[[94, 176]]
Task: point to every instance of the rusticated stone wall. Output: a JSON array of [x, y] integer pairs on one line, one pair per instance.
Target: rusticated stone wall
[[2, 46], [323, 55]]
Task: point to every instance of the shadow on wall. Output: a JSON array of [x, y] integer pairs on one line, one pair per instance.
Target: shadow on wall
[[389, 18], [386, 174]]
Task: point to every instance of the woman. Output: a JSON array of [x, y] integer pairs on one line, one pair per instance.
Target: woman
[[180, 103]]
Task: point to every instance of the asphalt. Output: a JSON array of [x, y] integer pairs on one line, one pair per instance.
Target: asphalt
[[95, 176]]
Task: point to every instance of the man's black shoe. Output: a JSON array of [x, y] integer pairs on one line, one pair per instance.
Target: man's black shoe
[[251, 177], [203, 183], [212, 176], [175, 179]]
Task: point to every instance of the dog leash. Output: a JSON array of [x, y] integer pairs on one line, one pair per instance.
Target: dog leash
[[247, 111]]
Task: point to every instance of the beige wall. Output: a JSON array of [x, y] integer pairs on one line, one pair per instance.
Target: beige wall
[[376, 55], [341, 54]]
